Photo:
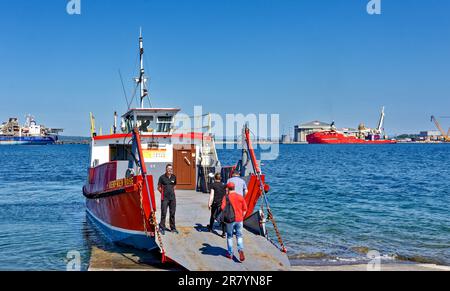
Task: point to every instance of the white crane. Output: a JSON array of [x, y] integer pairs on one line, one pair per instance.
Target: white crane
[[379, 129]]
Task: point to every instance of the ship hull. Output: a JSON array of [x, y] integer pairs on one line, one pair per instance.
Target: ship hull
[[339, 138], [120, 218], [26, 140], [123, 236], [117, 211]]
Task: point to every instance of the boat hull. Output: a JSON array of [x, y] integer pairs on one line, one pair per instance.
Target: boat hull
[[27, 140], [120, 218], [116, 208], [339, 138]]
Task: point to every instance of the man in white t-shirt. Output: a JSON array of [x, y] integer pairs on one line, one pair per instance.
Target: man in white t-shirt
[[240, 184]]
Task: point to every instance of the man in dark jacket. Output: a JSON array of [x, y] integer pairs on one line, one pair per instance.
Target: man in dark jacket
[[166, 186], [218, 190]]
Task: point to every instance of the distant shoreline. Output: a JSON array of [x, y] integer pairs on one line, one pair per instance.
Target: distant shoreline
[[88, 141], [77, 140], [72, 140]]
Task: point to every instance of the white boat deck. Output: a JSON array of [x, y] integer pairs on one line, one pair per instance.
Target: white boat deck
[[198, 250]]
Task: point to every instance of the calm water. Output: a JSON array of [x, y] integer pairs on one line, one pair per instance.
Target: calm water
[[333, 203]]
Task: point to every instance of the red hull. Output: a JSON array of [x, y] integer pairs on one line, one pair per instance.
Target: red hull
[[115, 205], [331, 137], [120, 217], [120, 211]]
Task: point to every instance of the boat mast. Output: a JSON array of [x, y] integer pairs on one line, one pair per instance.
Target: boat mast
[[142, 79]]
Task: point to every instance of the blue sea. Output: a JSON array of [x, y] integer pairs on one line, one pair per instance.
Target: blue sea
[[333, 204]]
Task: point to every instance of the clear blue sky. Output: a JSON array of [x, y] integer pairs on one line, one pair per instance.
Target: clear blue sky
[[304, 59]]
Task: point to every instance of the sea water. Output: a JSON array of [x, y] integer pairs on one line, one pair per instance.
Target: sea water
[[333, 204]]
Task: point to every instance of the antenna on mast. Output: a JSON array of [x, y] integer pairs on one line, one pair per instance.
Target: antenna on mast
[[142, 80]]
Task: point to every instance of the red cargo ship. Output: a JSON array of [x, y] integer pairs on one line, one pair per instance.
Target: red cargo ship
[[335, 137], [362, 136]]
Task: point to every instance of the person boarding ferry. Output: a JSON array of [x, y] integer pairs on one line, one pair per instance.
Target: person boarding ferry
[[237, 225], [218, 191], [240, 184]]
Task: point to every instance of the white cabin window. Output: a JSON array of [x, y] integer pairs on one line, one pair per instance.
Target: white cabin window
[[145, 124], [165, 123], [127, 125], [120, 152]]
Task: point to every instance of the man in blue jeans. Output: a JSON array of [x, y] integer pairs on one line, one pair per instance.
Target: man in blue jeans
[[240, 209]]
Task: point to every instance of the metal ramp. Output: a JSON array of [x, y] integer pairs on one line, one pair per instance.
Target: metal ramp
[[198, 250]]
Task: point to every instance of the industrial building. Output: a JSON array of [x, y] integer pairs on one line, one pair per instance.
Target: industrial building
[[430, 134], [286, 139], [303, 130]]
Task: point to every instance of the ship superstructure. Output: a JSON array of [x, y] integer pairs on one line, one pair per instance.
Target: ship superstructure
[[362, 135]]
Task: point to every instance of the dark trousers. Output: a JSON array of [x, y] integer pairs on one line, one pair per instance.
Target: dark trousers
[[172, 205], [215, 211]]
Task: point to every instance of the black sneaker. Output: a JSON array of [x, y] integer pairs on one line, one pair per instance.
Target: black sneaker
[[175, 231], [162, 231]]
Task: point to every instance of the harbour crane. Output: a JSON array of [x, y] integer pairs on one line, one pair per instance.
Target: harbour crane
[[381, 122], [439, 127]]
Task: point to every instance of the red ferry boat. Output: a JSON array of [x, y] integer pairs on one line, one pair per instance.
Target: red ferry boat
[[120, 189], [362, 136]]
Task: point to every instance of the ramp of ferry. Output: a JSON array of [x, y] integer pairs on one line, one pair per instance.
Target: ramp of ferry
[[196, 249]]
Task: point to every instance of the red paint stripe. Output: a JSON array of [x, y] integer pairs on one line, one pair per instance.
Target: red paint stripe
[[148, 197], [193, 135], [251, 150], [153, 109], [253, 194], [112, 136]]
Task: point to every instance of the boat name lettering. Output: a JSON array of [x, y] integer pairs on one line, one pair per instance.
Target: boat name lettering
[[120, 183]]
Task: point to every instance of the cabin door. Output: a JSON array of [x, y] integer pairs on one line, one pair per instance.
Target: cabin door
[[184, 166]]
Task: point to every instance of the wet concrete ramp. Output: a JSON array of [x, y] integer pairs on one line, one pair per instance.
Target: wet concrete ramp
[[198, 250]]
